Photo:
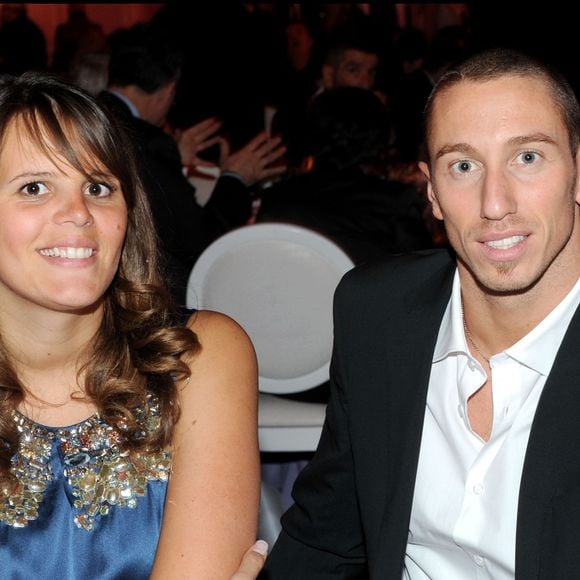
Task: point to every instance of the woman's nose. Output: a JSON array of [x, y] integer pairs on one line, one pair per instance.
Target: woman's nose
[[74, 209]]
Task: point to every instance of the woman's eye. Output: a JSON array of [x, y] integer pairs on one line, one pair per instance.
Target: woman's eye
[[34, 188], [462, 166], [99, 189]]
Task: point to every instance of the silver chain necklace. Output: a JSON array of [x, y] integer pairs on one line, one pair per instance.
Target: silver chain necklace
[[470, 338]]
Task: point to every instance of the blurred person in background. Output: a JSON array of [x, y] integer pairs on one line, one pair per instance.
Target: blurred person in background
[[77, 35], [345, 191], [144, 69], [22, 42], [90, 71], [351, 60]]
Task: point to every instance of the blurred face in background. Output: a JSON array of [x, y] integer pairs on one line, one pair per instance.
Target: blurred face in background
[[354, 68], [299, 43]]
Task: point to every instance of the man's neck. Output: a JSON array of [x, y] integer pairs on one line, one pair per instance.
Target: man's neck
[[142, 105], [497, 321], [120, 94]]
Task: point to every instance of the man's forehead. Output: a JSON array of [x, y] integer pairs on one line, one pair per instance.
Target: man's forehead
[[356, 55], [509, 96], [500, 85], [498, 110]]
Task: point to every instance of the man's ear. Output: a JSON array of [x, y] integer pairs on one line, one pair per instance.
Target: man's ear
[[435, 208], [577, 190], [327, 76], [169, 91]]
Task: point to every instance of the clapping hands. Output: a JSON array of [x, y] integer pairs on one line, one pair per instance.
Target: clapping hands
[[253, 162]]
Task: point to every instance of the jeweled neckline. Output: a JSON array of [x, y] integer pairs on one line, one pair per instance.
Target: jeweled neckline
[[100, 473], [31, 422]]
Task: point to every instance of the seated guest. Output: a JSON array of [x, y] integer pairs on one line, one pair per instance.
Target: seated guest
[[22, 41], [350, 59], [346, 194], [76, 36], [129, 444], [451, 439], [144, 69]]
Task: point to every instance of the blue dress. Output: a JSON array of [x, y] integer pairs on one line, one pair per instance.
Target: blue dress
[[84, 508]]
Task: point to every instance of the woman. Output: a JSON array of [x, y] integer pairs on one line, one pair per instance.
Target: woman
[[129, 440]]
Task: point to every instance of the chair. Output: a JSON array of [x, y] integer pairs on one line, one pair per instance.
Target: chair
[[277, 280]]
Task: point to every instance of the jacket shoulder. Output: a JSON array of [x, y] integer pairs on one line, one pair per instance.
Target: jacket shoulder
[[399, 273]]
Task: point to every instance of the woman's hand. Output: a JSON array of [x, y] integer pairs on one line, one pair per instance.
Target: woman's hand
[[252, 562]]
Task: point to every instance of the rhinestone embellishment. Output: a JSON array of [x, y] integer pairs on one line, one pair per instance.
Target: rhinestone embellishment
[[100, 473]]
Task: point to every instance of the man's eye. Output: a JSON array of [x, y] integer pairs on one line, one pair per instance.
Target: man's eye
[[462, 166], [528, 157]]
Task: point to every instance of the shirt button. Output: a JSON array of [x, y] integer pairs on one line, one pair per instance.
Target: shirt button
[[478, 560], [478, 488], [471, 365]]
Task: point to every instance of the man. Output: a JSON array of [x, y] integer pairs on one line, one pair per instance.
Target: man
[[350, 63], [144, 69], [76, 37], [16, 55], [346, 195], [452, 438], [350, 60]]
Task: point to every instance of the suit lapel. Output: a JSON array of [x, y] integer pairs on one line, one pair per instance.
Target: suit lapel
[[420, 319], [552, 463]]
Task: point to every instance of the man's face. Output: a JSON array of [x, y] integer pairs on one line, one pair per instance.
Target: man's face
[[504, 181], [355, 69]]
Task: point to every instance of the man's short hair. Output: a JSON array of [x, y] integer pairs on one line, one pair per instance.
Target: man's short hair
[[347, 127], [495, 63], [144, 58], [349, 40]]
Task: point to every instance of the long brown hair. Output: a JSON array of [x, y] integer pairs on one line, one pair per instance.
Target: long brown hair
[[136, 351]]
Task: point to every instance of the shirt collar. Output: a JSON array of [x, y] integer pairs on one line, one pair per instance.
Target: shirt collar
[[537, 350], [451, 338], [134, 110]]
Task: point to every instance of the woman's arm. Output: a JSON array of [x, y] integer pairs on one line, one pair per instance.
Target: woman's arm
[[211, 512]]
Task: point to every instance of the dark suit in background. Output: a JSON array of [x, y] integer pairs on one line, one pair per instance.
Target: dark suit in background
[[184, 227], [346, 193], [144, 70], [366, 215]]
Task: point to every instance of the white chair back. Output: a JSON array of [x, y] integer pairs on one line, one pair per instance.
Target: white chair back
[[277, 281]]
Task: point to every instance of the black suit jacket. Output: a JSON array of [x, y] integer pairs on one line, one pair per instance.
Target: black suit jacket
[[367, 216], [184, 227], [353, 501]]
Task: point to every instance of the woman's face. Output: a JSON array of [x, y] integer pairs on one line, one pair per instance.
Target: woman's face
[[61, 234]]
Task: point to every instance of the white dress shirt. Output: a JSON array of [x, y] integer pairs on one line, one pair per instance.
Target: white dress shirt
[[463, 519]]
